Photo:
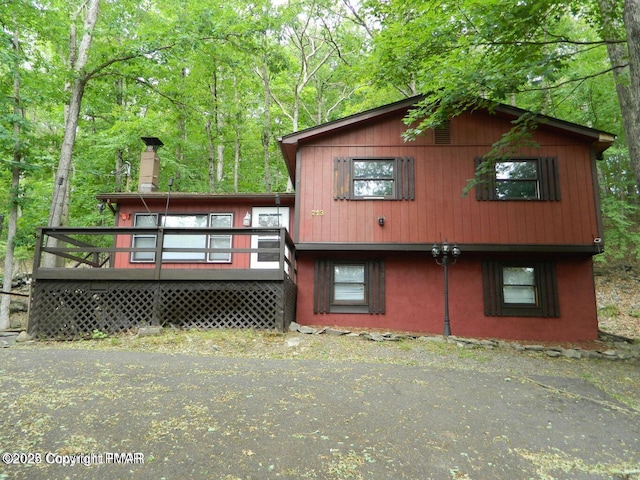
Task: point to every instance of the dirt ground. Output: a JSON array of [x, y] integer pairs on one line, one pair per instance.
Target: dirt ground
[[618, 297]]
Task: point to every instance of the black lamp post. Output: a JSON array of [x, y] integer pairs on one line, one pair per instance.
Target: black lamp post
[[443, 255]]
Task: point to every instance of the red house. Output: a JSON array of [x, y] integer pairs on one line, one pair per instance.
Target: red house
[[370, 207], [354, 247]]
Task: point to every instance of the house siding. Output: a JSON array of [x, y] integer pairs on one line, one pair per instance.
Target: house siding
[[415, 300], [439, 210]]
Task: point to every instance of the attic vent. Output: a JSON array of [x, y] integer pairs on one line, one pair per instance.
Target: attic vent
[[442, 134]]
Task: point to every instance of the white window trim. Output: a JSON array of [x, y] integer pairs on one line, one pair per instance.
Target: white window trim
[[207, 240]]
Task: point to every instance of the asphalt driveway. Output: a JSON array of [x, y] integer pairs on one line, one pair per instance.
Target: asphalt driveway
[[157, 416]]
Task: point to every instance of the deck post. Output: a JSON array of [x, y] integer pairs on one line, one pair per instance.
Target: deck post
[[279, 307], [158, 253], [156, 312]]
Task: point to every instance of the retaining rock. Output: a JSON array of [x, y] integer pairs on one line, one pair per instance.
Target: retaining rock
[[622, 351]]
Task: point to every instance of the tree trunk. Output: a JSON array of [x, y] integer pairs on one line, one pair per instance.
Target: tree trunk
[[215, 138], [266, 132], [211, 156], [236, 128], [627, 77], [61, 186], [631, 118], [15, 192], [77, 63], [120, 170]]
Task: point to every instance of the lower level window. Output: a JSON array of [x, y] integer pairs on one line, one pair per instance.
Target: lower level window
[[349, 284], [520, 289], [349, 287], [519, 285]]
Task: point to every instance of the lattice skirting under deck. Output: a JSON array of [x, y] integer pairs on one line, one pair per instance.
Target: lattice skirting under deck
[[72, 309]]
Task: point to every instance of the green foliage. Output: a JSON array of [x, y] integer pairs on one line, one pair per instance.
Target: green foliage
[[622, 230], [190, 73], [99, 335]]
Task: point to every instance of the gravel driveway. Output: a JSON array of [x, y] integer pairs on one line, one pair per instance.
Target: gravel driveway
[[330, 408]]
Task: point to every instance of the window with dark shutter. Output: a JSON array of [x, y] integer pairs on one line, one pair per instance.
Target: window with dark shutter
[[379, 178], [349, 287], [520, 289], [518, 179]]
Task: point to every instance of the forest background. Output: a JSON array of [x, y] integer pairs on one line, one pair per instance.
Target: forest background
[[219, 81]]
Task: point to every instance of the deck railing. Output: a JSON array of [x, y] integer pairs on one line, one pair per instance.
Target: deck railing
[[113, 253]]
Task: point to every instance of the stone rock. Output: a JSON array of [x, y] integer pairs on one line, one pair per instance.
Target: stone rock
[[392, 337], [432, 339], [590, 354], [553, 353], [625, 356], [149, 331], [572, 353], [293, 342], [306, 330], [534, 348], [23, 337], [333, 331], [7, 339], [293, 327], [18, 306], [376, 337]]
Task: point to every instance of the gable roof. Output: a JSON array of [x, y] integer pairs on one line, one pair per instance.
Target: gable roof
[[289, 143]]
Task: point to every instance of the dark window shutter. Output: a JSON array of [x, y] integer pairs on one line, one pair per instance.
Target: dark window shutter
[[376, 290], [549, 179], [485, 188], [491, 285], [341, 178], [548, 289], [405, 178], [322, 287]]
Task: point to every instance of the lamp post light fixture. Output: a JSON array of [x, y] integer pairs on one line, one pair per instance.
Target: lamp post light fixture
[[443, 254]]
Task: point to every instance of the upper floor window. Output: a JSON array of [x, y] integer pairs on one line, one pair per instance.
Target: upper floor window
[[519, 179], [374, 178]]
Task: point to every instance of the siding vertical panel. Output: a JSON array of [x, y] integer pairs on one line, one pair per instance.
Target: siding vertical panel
[[570, 215], [321, 182], [465, 173], [588, 228], [454, 156]]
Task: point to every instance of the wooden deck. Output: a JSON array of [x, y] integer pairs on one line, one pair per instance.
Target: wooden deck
[[88, 279]]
